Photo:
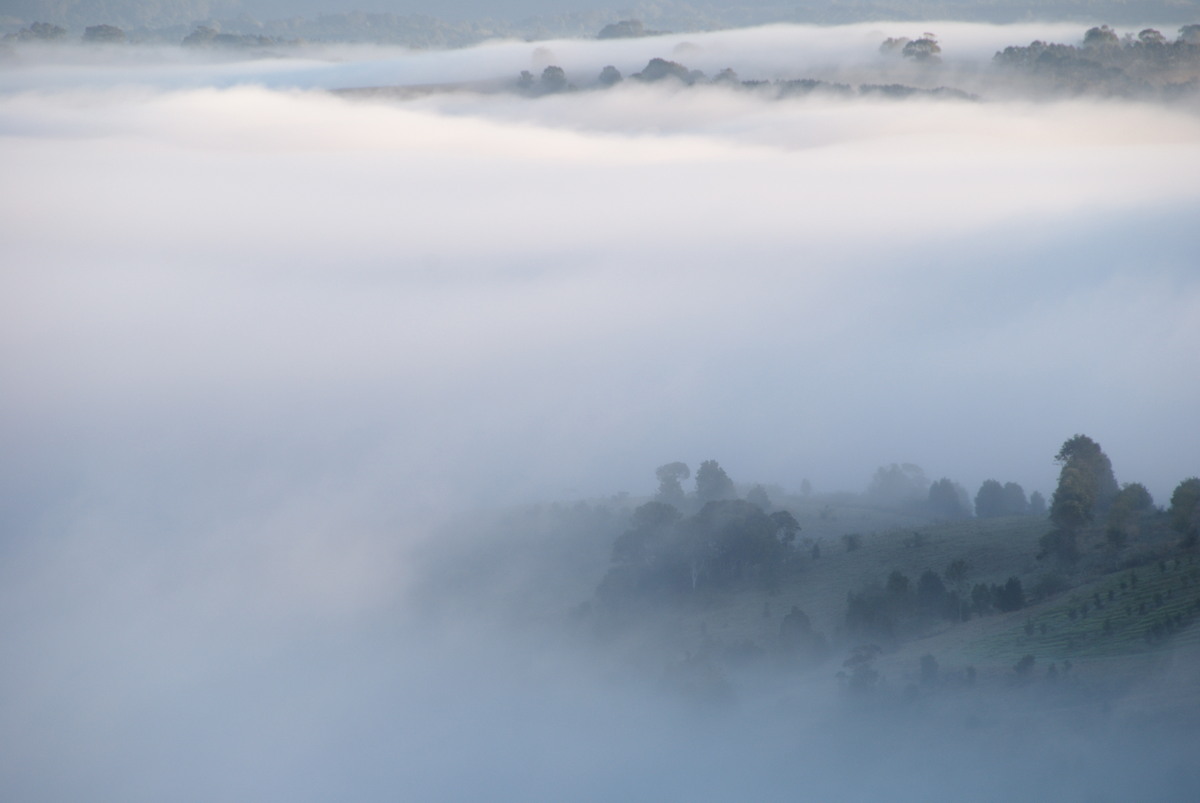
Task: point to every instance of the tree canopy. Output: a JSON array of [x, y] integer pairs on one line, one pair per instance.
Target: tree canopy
[[1086, 485]]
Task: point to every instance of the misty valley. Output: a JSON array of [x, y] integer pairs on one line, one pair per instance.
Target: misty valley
[[674, 403]]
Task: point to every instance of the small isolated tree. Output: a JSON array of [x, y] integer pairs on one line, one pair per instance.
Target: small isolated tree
[[610, 76], [554, 79], [894, 45], [1037, 504]]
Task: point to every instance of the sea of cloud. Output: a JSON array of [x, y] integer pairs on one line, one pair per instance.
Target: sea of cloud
[[256, 339]]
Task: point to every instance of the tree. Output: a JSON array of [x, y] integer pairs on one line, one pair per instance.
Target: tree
[[757, 496], [1073, 501], [727, 76], [1010, 596], [1102, 36], [1037, 504], [1086, 485], [925, 49], [931, 593], [1151, 38], [946, 498], [1130, 504], [1185, 510], [554, 79], [660, 69], [898, 483], [1015, 503], [989, 500], [786, 526], [610, 76], [712, 483], [670, 488]]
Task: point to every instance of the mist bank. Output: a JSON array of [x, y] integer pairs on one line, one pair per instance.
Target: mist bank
[[267, 351], [438, 292], [963, 61]]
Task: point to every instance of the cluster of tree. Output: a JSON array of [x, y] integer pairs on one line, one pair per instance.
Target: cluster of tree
[[46, 32], [626, 29], [877, 612], [554, 79], [949, 499], [924, 49], [38, 32], [1088, 494], [994, 499], [1108, 63], [204, 36], [728, 543]]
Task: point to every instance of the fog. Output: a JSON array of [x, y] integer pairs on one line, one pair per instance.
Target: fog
[[259, 343]]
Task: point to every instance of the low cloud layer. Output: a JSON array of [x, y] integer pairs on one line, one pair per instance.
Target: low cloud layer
[[256, 338]]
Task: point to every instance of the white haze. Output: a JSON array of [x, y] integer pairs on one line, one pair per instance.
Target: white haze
[[257, 340]]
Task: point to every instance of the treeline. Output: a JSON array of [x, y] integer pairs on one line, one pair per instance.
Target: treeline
[[554, 79], [1111, 64]]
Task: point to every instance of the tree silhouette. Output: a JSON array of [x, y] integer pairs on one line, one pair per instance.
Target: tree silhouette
[[712, 483]]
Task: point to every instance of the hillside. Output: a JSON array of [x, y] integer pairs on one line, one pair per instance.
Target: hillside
[[1106, 623]]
